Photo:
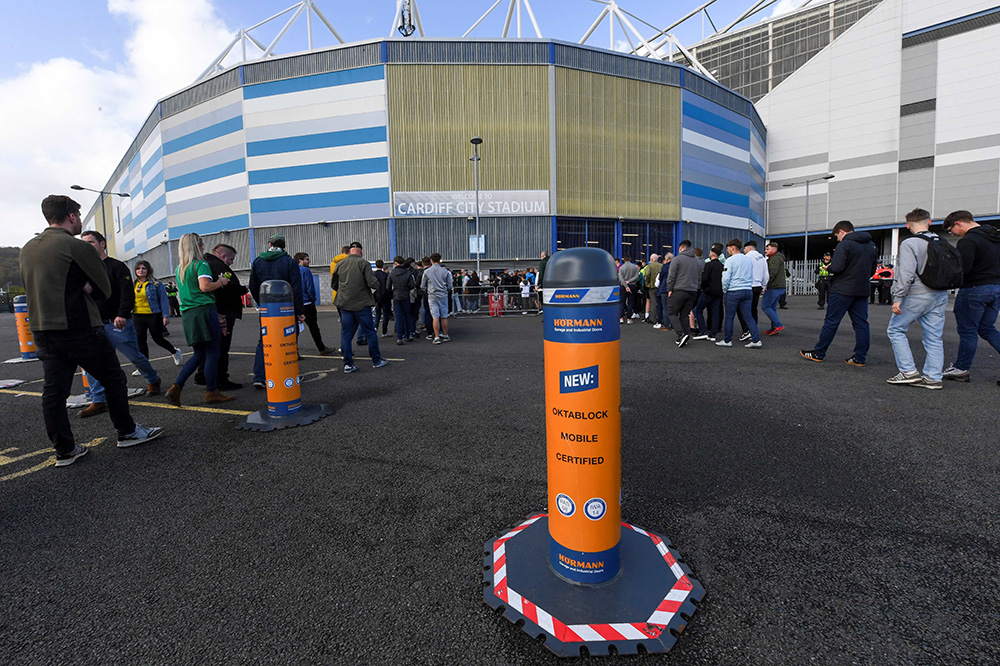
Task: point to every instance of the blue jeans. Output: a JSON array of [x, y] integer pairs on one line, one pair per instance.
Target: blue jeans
[[837, 306], [663, 308], [403, 313], [928, 309], [352, 322], [208, 353], [768, 301], [976, 310], [740, 300], [713, 304], [127, 343]]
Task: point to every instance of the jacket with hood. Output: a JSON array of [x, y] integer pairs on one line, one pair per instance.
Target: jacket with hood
[[276, 264], [776, 271], [980, 250], [759, 264], [685, 272], [854, 262]]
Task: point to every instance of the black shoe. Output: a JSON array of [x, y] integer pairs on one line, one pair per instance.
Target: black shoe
[[326, 352], [362, 342], [199, 380], [683, 340], [227, 385]]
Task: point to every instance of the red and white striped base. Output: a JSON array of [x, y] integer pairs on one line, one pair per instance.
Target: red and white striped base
[[651, 628]]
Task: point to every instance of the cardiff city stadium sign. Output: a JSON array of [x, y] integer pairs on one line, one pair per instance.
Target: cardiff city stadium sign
[[492, 203]]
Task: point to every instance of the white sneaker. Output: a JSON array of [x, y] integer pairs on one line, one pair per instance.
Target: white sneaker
[[657, 325], [136, 373], [635, 316], [723, 343], [178, 357], [754, 345]]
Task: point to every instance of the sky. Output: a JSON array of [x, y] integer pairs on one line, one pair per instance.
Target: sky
[[79, 77]]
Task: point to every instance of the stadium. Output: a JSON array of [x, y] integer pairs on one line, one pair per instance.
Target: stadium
[[371, 141], [867, 101]]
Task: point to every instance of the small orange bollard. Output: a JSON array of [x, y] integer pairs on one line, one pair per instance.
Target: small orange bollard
[[278, 325], [24, 336]]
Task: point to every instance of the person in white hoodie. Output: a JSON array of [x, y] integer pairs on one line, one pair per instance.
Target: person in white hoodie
[[760, 277]]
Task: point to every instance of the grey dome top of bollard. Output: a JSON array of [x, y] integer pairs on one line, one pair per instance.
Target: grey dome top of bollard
[[20, 299], [275, 291], [580, 267]]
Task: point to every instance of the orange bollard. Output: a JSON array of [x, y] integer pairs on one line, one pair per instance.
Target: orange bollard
[[278, 325], [24, 336]]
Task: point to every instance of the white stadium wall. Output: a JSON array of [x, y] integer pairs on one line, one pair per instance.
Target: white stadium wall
[[901, 108]]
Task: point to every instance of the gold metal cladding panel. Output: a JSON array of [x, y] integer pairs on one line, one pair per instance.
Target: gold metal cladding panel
[[435, 109], [618, 143]]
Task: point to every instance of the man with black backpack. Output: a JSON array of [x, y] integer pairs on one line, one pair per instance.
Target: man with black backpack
[[978, 301], [914, 300]]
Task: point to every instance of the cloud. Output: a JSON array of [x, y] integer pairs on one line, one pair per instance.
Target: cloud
[[63, 122], [786, 6]]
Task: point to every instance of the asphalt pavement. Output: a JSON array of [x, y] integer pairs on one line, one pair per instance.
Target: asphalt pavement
[[831, 518]]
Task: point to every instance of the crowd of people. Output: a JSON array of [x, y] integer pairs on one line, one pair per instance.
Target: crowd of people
[[84, 306], [699, 298]]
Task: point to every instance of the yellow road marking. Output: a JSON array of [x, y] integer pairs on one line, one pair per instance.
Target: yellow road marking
[[397, 360], [51, 460], [186, 408]]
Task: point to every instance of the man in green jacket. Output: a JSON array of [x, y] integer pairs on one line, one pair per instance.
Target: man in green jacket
[[354, 283], [62, 277], [775, 287]]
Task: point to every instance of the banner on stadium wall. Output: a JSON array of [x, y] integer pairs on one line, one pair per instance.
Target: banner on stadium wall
[[492, 203]]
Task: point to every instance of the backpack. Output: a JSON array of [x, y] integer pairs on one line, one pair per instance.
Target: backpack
[[944, 265]]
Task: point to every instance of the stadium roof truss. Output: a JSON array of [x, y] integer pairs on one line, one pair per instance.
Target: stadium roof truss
[[244, 39], [407, 22]]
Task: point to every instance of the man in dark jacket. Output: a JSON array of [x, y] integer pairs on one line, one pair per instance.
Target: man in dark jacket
[[978, 301], [229, 304], [62, 278], [116, 315], [662, 299], [274, 264], [354, 282], [711, 297], [853, 263], [775, 287], [683, 283], [309, 300], [400, 283]]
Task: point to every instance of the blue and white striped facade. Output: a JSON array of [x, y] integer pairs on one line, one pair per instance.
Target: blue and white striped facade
[[317, 147], [307, 139], [294, 151], [722, 166]]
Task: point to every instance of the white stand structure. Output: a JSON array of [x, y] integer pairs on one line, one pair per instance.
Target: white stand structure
[[514, 8], [244, 38]]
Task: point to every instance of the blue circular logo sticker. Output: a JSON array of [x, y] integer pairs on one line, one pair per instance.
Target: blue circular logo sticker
[[270, 383], [595, 508], [289, 383], [565, 505]]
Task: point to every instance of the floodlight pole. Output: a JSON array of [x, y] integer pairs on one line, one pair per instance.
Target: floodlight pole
[[475, 141], [829, 176], [104, 217]]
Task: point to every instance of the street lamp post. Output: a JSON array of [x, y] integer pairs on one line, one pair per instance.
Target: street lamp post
[[805, 253], [104, 217], [475, 141]]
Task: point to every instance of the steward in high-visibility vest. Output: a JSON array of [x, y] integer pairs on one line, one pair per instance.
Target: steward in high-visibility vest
[[333, 267], [823, 279]]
